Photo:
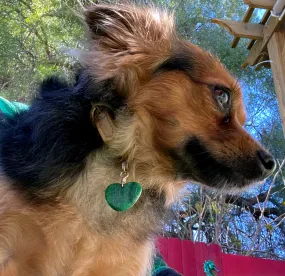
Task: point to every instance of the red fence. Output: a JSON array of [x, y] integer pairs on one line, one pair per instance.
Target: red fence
[[188, 259]]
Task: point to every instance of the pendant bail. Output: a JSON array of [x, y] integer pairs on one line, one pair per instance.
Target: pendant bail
[[124, 173]]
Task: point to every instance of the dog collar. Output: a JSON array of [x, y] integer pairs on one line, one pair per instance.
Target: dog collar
[[101, 119], [119, 196]]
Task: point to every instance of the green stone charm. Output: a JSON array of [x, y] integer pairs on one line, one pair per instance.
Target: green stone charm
[[122, 198]]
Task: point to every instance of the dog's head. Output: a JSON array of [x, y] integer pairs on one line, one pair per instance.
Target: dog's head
[[185, 112]]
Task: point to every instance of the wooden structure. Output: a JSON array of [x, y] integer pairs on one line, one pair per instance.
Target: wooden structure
[[267, 42], [188, 259]]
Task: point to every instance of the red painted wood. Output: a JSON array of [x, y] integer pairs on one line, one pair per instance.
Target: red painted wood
[[235, 265], [175, 254], [162, 247], [201, 253], [188, 258], [215, 255]]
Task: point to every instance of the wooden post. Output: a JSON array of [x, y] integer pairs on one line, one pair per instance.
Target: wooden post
[[276, 50]]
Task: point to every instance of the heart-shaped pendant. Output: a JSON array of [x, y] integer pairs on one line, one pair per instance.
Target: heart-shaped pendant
[[122, 198]]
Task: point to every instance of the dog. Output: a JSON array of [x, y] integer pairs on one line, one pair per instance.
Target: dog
[[147, 108]]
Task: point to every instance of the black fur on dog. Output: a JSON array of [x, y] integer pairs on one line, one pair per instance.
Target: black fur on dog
[[52, 140]]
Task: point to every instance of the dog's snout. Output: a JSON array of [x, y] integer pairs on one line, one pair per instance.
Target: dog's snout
[[267, 161]]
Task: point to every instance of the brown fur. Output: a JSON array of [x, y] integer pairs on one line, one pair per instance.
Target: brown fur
[[78, 234]]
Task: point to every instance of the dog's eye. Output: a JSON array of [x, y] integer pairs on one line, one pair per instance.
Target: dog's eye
[[222, 96]]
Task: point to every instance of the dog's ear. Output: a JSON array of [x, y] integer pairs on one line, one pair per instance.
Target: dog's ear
[[127, 43], [121, 28]]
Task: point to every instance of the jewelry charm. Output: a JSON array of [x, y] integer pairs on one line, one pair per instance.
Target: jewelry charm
[[122, 196]]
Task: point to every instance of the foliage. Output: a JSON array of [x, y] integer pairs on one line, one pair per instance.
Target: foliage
[[34, 40], [40, 38]]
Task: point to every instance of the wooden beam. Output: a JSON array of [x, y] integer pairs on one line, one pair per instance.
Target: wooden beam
[[260, 46], [263, 22], [250, 44], [261, 4], [276, 49], [245, 19], [241, 29], [248, 15]]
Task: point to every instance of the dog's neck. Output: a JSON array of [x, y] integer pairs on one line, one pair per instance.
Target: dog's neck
[[57, 153], [104, 167], [88, 195]]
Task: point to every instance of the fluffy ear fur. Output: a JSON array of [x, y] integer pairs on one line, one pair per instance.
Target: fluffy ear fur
[[126, 28], [127, 43]]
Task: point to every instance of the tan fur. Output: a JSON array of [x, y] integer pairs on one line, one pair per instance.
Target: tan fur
[[55, 240], [78, 234]]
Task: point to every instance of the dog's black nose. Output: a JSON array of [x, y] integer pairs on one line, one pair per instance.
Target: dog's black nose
[[267, 161]]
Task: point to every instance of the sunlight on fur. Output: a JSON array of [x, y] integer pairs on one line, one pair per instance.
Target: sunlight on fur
[[178, 117]]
